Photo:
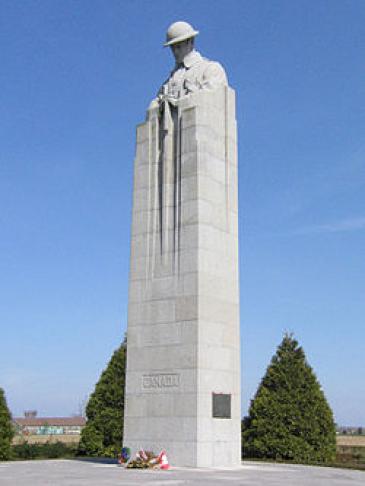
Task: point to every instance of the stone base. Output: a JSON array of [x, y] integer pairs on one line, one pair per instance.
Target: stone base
[[183, 316]]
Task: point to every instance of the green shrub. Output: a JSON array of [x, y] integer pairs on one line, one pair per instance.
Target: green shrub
[[111, 451], [49, 450], [91, 442], [289, 417], [351, 454], [103, 433], [6, 429], [25, 451]]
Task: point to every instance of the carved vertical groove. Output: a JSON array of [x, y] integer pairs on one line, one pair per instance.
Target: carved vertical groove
[[154, 161], [226, 155], [169, 187]]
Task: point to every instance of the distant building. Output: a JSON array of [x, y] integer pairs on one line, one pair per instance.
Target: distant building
[[30, 413], [31, 425]]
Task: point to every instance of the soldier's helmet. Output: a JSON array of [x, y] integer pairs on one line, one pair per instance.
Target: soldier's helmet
[[178, 32]]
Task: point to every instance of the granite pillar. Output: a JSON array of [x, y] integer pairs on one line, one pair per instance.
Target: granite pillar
[[183, 363]]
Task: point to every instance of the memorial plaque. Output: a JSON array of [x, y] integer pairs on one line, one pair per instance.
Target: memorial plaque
[[221, 405]]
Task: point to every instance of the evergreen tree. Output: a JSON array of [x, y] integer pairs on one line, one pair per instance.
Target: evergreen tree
[[289, 417], [6, 429], [103, 433]]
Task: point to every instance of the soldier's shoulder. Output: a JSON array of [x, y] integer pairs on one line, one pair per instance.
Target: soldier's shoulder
[[213, 68]]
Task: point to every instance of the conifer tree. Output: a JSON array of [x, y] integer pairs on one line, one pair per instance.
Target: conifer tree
[[103, 433], [289, 417], [6, 428]]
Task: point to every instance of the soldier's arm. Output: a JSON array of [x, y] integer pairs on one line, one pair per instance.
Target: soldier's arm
[[214, 75]]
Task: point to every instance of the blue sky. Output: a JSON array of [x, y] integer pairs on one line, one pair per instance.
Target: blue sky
[[76, 77]]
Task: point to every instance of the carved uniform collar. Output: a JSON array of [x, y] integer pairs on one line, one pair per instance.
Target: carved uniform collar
[[190, 59]]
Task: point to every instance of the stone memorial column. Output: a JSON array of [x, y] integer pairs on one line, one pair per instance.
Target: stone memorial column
[[183, 358]]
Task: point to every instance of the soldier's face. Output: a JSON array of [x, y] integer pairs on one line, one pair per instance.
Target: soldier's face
[[181, 49]]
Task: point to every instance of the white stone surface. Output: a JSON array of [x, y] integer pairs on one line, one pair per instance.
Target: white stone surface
[[61, 472], [183, 318]]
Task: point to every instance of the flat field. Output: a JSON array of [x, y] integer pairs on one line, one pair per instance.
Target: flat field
[[42, 439], [351, 440]]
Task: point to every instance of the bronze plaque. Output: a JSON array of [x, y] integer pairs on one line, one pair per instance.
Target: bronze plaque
[[222, 405]]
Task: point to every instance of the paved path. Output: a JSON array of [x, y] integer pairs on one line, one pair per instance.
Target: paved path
[[81, 473]]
